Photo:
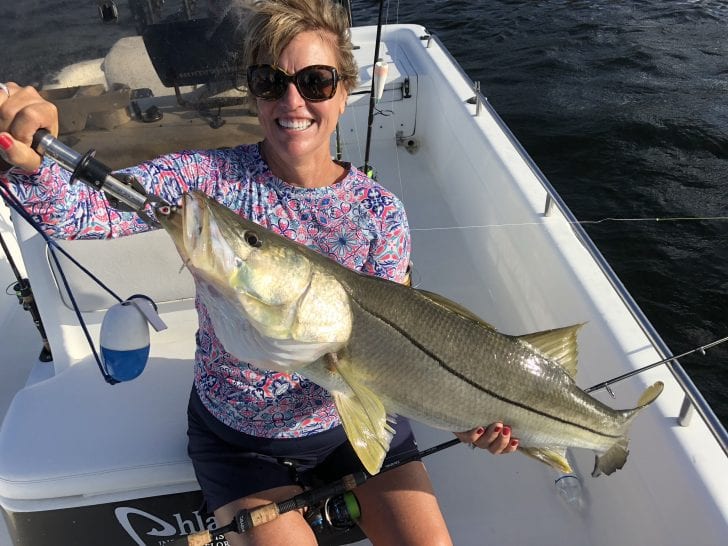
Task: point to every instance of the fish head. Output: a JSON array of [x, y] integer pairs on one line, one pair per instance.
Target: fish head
[[247, 274], [235, 254]]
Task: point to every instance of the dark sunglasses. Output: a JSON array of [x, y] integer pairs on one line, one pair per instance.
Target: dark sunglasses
[[314, 83]]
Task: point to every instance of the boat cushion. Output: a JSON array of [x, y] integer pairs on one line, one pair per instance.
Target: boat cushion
[[73, 434]]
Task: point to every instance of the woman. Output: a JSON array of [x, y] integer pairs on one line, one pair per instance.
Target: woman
[[257, 436]]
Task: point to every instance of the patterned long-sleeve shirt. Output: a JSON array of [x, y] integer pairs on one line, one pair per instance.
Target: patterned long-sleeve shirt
[[355, 221]]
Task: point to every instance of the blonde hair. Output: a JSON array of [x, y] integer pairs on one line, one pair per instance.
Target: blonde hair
[[270, 25]]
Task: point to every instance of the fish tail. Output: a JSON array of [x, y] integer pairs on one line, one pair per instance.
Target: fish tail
[[614, 458]]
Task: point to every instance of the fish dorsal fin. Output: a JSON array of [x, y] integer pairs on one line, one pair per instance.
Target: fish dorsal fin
[[559, 345], [454, 307], [363, 417]]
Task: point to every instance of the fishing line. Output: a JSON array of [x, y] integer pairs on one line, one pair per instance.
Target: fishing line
[[657, 219], [580, 222]]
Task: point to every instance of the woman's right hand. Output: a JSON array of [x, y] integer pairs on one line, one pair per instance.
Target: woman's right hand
[[22, 112]]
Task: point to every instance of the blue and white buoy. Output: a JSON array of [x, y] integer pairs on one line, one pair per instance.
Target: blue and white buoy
[[124, 337]]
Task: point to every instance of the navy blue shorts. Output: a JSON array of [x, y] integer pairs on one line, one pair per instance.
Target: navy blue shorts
[[230, 465]]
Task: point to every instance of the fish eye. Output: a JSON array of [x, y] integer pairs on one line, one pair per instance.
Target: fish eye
[[252, 239]]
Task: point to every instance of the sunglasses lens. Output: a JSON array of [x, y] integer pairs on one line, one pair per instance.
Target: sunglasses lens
[[316, 83], [265, 82]]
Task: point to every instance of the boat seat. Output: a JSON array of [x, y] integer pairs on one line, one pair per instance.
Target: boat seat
[[146, 263], [71, 435]]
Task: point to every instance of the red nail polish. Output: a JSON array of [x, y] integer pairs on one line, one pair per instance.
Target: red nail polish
[[506, 431], [514, 443], [497, 429], [6, 142], [479, 431]]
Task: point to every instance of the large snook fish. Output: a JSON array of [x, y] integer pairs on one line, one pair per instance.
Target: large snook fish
[[381, 348]]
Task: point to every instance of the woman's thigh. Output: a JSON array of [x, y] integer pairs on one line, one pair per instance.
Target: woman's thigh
[[399, 508]]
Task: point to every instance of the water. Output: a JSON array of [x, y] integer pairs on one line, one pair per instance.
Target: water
[[623, 105]]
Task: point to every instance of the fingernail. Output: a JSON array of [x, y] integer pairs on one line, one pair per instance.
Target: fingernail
[[497, 429], [6, 142], [514, 443], [506, 431], [480, 431]]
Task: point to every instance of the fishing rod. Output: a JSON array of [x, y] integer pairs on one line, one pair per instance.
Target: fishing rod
[[27, 300], [124, 192], [372, 96], [606, 384], [247, 519]]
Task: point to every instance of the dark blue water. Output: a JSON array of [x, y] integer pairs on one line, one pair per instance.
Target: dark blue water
[[623, 105]]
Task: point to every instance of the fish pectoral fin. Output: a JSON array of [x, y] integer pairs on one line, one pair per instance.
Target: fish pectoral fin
[[369, 435], [612, 460], [552, 456], [362, 414], [558, 344]]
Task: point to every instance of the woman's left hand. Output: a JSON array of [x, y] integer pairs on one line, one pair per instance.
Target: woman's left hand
[[496, 438]]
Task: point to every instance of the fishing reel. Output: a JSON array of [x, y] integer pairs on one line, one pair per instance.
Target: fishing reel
[[336, 517], [26, 299]]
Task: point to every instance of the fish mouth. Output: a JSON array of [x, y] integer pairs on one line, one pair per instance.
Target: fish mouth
[[193, 221]]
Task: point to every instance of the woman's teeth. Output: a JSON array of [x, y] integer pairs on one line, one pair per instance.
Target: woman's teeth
[[297, 125]]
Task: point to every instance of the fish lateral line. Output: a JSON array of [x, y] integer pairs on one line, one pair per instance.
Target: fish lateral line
[[474, 384]]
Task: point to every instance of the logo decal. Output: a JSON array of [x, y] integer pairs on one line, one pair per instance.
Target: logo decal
[[148, 525]]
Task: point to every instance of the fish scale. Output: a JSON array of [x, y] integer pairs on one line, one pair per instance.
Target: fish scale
[[481, 387]]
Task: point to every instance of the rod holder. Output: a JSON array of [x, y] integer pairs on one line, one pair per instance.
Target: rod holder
[[686, 412], [478, 100], [549, 206]]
